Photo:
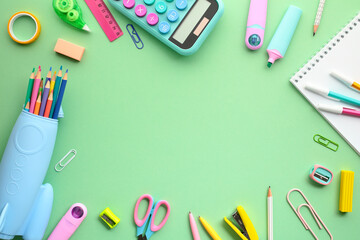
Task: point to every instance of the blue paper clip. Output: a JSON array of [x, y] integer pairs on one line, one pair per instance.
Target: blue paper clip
[[135, 36]]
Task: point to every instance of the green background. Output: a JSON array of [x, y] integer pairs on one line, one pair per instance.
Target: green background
[[207, 132]]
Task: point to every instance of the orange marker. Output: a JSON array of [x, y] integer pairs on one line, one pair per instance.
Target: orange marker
[[48, 105], [37, 105]]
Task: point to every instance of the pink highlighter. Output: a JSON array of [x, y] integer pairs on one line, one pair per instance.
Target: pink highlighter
[[255, 27], [69, 222]]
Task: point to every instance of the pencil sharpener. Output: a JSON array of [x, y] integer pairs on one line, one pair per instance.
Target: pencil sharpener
[[109, 218], [321, 175]]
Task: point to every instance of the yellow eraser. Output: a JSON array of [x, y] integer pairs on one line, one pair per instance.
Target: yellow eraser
[[109, 218], [346, 191], [69, 49]]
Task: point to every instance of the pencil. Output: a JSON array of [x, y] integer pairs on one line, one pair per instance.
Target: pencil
[[30, 87], [56, 91], [44, 98], [209, 229], [27, 106], [318, 15], [270, 214], [193, 226], [35, 90], [48, 105], [41, 87], [60, 96], [37, 105], [52, 82], [48, 76]]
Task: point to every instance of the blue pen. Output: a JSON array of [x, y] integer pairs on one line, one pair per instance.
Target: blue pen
[[327, 93]]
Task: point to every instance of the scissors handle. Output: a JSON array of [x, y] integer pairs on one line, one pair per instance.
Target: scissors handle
[[141, 222], [154, 227]]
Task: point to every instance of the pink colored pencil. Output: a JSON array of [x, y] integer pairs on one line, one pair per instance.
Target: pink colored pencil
[[35, 90]]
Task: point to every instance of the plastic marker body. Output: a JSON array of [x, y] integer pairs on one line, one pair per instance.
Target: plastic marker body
[[346, 80], [193, 226], [283, 35], [255, 27], [338, 110]]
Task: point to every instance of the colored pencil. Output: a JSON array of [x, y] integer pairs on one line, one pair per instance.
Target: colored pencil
[[56, 91], [52, 82], [37, 105], [35, 90], [44, 98], [193, 226], [209, 229], [270, 214], [48, 105], [48, 76], [41, 87], [27, 106], [318, 15], [30, 87], [60, 96]]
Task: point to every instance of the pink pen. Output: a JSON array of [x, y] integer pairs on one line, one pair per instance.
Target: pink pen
[[255, 27], [69, 222], [193, 226], [338, 110]]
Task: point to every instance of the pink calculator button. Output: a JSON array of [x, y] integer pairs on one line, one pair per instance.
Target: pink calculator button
[[129, 3], [140, 10], [152, 19]]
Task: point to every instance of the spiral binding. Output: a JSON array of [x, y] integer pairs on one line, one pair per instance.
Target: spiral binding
[[332, 43]]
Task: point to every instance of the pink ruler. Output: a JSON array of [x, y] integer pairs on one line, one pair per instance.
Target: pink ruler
[[105, 19]]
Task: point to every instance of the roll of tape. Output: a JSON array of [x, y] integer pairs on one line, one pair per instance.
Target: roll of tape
[[11, 24]]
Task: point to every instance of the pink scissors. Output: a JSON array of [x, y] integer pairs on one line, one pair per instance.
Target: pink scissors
[[149, 216]]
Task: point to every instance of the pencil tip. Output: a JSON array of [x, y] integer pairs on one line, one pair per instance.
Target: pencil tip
[[50, 69], [313, 33], [67, 70], [39, 68], [33, 70], [61, 67]]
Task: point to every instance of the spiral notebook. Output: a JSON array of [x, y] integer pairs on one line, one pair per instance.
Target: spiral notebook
[[342, 53]]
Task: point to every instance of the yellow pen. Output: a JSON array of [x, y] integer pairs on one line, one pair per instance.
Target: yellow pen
[[209, 229]]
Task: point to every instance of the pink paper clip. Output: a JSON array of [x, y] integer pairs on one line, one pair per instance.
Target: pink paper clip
[[313, 212]]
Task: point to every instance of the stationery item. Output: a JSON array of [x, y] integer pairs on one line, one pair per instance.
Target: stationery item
[[69, 222], [48, 76], [41, 87], [135, 36], [331, 94], [52, 82], [56, 91], [326, 142], [27, 106], [44, 98], [194, 229], [245, 229], [270, 215], [337, 54], [209, 229], [255, 27], [30, 87], [69, 49], [60, 165], [312, 210], [346, 191], [146, 227], [109, 218], [48, 105], [11, 25], [70, 12], [105, 19], [60, 96], [321, 174], [318, 15], [283, 35], [37, 104], [338, 110], [346, 80], [183, 25], [35, 90]]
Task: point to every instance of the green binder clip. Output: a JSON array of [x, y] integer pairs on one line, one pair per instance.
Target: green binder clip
[[326, 142], [70, 12]]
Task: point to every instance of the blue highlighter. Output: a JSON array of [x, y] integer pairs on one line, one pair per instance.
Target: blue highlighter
[[283, 35]]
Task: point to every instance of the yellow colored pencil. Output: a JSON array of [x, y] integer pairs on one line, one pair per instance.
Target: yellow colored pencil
[[209, 229], [52, 82], [37, 105]]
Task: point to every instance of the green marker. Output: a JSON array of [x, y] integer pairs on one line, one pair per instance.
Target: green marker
[[70, 12]]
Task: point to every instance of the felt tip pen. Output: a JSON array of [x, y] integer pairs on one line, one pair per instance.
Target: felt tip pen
[[338, 110], [327, 93], [255, 27], [346, 80]]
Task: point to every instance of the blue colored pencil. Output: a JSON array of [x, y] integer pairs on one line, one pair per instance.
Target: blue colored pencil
[[56, 91], [60, 96]]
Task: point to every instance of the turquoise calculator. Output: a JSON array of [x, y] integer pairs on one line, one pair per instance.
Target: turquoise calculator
[[183, 25]]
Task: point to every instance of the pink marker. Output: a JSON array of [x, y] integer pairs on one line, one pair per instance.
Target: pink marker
[[69, 222], [193, 226], [338, 110], [255, 27]]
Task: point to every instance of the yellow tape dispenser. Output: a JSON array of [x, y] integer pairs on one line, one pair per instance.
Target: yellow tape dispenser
[[245, 229]]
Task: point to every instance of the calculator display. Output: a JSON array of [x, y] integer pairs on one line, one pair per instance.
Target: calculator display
[[191, 20]]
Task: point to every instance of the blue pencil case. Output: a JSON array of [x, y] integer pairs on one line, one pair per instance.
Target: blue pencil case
[[25, 202]]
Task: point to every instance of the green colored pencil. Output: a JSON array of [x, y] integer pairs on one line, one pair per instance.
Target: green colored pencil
[[30, 87], [56, 91]]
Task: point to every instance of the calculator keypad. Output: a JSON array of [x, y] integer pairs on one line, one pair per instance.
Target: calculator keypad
[[140, 10], [129, 4], [161, 7], [152, 19]]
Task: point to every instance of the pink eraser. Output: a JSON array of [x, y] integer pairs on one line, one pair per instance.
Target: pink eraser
[[69, 49]]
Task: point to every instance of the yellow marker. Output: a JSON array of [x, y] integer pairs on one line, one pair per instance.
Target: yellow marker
[[346, 191], [109, 218], [209, 229]]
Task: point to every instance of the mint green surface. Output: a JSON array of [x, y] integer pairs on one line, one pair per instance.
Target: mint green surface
[[207, 132]]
